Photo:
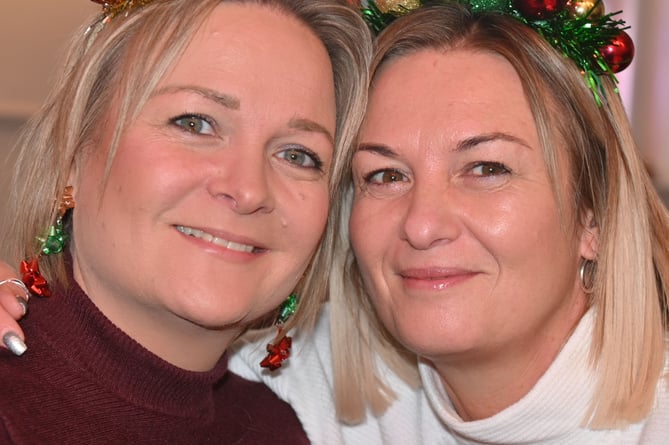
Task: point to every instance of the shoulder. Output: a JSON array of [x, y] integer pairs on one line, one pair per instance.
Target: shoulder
[[310, 354], [304, 380]]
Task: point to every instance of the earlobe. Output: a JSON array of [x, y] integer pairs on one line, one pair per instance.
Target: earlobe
[[589, 236]]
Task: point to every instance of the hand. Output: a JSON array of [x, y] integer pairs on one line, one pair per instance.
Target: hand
[[13, 306]]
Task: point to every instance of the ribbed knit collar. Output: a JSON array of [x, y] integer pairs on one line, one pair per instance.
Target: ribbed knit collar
[[72, 325], [553, 409]]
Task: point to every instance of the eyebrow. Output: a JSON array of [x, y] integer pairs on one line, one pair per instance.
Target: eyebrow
[[302, 124], [378, 149], [464, 145], [234, 103], [472, 142], [225, 100]]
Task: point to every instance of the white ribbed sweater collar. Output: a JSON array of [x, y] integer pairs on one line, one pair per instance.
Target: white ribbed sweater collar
[[551, 412]]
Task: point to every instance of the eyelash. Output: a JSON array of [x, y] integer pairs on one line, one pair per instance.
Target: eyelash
[[489, 169], [298, 149], [203, 121], [368, 178], [194, 118], [490, 166]]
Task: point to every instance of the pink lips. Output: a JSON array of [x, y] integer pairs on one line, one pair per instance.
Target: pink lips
[[434, 278]]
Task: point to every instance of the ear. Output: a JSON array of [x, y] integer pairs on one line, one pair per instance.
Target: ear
[[589, 236], [73, 179]]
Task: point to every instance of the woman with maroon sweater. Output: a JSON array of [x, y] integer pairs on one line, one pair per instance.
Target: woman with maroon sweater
[[187, 156]]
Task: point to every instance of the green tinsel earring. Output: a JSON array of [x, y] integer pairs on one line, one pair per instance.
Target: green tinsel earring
[[56, 237], [277, 353], [52, 243]]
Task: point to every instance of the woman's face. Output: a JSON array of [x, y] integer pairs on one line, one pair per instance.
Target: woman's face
[[218, 194], [454, 224]]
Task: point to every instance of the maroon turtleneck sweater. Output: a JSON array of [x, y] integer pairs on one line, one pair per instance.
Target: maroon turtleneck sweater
[[83, 381]]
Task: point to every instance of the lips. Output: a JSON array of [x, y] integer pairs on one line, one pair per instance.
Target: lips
[[208, 237], [435, 278]]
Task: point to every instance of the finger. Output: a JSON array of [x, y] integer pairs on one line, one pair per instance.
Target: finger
[[11, 335], [12, 303]]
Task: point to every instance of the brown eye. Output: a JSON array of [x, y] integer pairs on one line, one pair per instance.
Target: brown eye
[[489, 169], [385, 177]]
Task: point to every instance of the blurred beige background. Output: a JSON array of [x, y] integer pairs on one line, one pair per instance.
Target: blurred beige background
[[35, 32], [34, 35]]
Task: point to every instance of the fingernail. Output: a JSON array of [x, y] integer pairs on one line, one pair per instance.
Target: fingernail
[[23, 303], [14, 343]]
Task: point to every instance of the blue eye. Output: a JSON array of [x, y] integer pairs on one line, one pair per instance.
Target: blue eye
[[489, 169], [301, 157], [194, 124], [385, 177]]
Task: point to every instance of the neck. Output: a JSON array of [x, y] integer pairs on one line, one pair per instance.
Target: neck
[[483, 384], [177, 340]]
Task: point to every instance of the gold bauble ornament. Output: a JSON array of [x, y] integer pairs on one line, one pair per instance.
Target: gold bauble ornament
[[592, 9]]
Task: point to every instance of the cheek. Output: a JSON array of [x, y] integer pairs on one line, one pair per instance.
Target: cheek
[[371, 235], [522, 234], [307, 214]]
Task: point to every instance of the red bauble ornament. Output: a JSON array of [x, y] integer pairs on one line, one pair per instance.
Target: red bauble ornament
[[619, 53], [539, 9]]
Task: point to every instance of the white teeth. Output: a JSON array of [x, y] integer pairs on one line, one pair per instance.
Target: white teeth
[[208, 237]]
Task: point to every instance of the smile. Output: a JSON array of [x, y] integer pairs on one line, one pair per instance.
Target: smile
[[208, 237]]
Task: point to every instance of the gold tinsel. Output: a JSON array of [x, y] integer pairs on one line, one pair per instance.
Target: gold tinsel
[[397, 7], [112, 8]]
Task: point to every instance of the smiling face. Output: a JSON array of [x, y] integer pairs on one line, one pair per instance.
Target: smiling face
[[455, 224], [218, 193]]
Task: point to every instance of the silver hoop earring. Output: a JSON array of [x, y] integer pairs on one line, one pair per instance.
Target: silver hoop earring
[[586, 273]]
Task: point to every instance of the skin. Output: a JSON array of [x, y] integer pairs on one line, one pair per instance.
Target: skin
[[456, 227], [236, 143]]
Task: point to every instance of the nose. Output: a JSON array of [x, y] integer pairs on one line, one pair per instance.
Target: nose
[[243, 180], [431, 214]]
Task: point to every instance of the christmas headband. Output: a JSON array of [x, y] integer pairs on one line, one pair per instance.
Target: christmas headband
[[112, 8], [579, 29]]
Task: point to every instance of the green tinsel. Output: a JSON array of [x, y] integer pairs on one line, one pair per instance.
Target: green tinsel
[[376, 19], [288, 308], [578, 38]]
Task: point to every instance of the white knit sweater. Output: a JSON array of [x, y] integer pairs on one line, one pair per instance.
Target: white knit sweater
[[551, 413], [305, 381]]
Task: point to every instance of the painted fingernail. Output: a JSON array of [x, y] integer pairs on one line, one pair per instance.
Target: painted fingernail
[[23, 303], [14, 343]]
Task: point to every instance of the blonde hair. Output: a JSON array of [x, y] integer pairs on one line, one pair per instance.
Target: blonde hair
[[112, 70], [608, 177]]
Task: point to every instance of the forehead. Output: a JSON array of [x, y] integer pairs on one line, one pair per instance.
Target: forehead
[[243, 48], [456, 91]]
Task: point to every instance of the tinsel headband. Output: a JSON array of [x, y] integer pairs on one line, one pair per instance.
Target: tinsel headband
[[112, 8], [579, 29]]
